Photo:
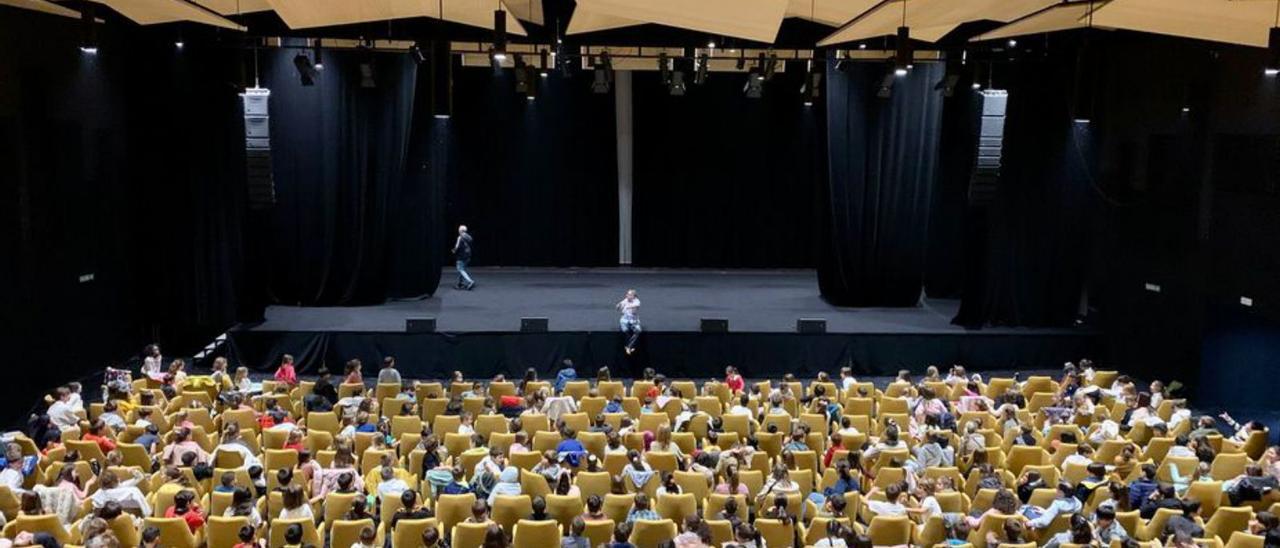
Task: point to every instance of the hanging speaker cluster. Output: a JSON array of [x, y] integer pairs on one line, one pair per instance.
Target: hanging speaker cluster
[[257, 147], [984, 183]]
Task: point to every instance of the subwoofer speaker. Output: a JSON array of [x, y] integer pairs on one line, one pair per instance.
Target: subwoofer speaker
[[811, 325], [420, 325], [714, 325], [533, 325]]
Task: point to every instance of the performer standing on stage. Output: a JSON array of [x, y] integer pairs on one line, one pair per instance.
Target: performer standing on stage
[[462, 252], [629, 306]]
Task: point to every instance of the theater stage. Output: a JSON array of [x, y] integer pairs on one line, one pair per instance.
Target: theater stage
[[481, 327]]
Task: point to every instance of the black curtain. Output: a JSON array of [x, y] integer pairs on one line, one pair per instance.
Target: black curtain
[[883, 163], [1026, 251], [534, 181], [340, 153], [723, 180]]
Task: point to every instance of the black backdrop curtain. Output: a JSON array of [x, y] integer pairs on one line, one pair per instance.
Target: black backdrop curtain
[[534, 181], [349, 196], [722, 180], [1026, 250], [883, 163]]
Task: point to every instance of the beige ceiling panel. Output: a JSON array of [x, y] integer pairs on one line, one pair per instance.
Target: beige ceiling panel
[[153, 12], [302, 14], [41, 6], [526, 10], [584, 20], [829, 12], [1234, 22], [235, 7], [1056, 18], [928, 17], [751, 19]]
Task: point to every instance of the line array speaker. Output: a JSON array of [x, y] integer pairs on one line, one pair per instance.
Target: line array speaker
[[984, 183], [257, 148]]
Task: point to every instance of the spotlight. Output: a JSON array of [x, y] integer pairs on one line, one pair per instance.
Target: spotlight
[[711, 44], [531, 83], [319, 62], [742, 60], [1273, 52], [700, 77], [754, 87], [770, 65], [523, 83], [601, 82], [903, 55], [306, 70], [676, 87], [178, 44], [419, 56], [543, 54], [975, 85], [1186, 110], [812, 87], [664, 70], [862, 46], [603, 74], [88, 30], [885, 90], [499, 35], [1013, 43]]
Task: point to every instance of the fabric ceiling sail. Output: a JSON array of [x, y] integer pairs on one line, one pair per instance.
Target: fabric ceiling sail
[[584, 20], [41, 6], [757, 20], [828, 12], [1056, 18], [1230, 21], [235, 7], [153, 12], [939, 16], [302, 14]]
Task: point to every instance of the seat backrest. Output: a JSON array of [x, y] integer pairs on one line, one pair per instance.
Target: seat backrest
[[677, 507], [618, 506], [600, 532], [452, 509], [468, 534], [347, 532], [310, 534], [775, 533], [508, 509], [536, 533], [174, 532], [563, 508], [220, 531], [408, 532], [649, 533]]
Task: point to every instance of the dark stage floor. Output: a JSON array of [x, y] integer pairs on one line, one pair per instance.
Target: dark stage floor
[[581, 300]]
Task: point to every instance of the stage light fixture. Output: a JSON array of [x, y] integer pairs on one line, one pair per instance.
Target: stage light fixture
[[499, 50], [603, 74], [319, 61], [676, 87], [306, 70], [530, 76], [812, 88], [441, 78], [1013, 43], [903, 56], [179, 44], [416, 51], [885, 90], [711, 44], [1273, 51], [88, 30], [770, 65], [700, 77], [742, 60], [366, 75], [664, 69], [522, 76], [544, 66], [754, 87]]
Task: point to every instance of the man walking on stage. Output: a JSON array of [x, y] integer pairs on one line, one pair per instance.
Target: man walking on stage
[[462, 252], [629, 306]]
